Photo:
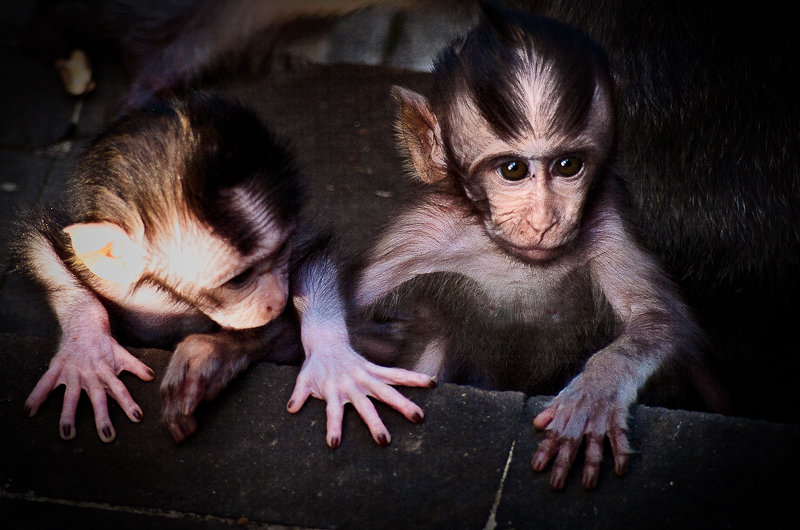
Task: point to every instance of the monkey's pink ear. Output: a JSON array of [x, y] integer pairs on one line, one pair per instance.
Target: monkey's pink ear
[[420, 134], [107, 251]]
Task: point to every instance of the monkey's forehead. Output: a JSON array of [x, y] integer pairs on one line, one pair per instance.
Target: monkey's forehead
[[192, 251], [473, 137]]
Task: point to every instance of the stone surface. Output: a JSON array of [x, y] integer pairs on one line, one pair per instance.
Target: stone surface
[[250, 458], [424, 35], [362, 37], [689, 470], [34, 109]]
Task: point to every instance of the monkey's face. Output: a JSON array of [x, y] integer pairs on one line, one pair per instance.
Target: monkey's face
[[189, 269], [532, 188], [235, 290]]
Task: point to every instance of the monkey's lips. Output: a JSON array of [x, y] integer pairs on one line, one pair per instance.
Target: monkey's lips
[[533, 253]]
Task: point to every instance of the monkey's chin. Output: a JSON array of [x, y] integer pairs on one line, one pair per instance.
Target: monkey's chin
[[534, 254], [247, 324]]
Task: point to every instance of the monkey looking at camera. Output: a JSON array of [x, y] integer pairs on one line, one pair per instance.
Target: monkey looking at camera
[[176, 232], [521, 227]]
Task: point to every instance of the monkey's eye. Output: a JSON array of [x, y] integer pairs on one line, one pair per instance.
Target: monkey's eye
[[568, 166], [240, 280], [514, 170]]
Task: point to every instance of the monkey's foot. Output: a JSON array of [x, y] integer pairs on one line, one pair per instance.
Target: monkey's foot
[[339, 376], [200, 368], [90, 361], [571, 417]]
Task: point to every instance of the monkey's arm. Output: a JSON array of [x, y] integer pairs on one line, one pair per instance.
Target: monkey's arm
[[656, 325], [88, 357], [332, 370], [430, 237]]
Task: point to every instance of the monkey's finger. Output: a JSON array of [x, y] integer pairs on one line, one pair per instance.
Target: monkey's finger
[[621, 450], [299, 396], [568, 449], [399, 402], [334, 411], [370, 416], [547, 449], [543, 419], [97, 395], [400, 376], [42, 389], [66, 425], [133, 365], [594, 455], [194, 390], [119, 392], [180, 427]]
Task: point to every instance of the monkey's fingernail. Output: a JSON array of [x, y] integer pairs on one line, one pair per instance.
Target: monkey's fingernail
[[539, 462], [66, 431], [290, 405], [416, 417], [590, 478], [28, 410], [108, 434], [137, 415], [432, 384], [151, 372], [335, 441], [558, 479], [383, 440]]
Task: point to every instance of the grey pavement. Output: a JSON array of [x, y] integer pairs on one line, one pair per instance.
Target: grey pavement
[[252, 464]]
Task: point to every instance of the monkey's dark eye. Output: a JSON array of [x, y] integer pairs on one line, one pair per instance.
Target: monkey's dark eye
[[514, 170], [568, 166], [240, 279]]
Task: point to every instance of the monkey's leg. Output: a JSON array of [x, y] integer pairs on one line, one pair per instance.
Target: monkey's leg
[[203, 364], [332, 370]]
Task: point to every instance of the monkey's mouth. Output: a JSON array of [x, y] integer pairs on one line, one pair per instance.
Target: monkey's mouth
[[534, 254]]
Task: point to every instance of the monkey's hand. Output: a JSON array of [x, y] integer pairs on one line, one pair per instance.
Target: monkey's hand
[[336, 374], [200, 368], [90, 361], [590, 408]]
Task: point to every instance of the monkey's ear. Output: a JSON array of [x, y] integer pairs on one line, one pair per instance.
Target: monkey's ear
[[107, 251], [420, 134]]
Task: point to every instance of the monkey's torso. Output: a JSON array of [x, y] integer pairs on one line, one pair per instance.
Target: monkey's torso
[[496, 321]]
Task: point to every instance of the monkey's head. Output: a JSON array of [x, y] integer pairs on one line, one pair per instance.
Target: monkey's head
[[194, 200], [521, 121]]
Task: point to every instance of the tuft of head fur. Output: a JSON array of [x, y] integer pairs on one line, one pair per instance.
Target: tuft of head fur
[[493, 63], [193, 159]]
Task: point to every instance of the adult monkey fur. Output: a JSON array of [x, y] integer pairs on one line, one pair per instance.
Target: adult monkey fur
[[176, 232]]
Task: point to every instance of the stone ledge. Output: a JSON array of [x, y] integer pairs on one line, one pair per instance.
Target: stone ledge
[[252, 460]]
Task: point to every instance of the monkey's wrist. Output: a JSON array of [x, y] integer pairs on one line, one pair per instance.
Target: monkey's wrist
[[324, 336]]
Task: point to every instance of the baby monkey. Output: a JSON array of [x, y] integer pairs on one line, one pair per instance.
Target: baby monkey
[[523, 218], [176, 233]]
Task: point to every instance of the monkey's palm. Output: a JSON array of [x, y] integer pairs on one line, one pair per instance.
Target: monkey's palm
[[90, 362], [586, 407]]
